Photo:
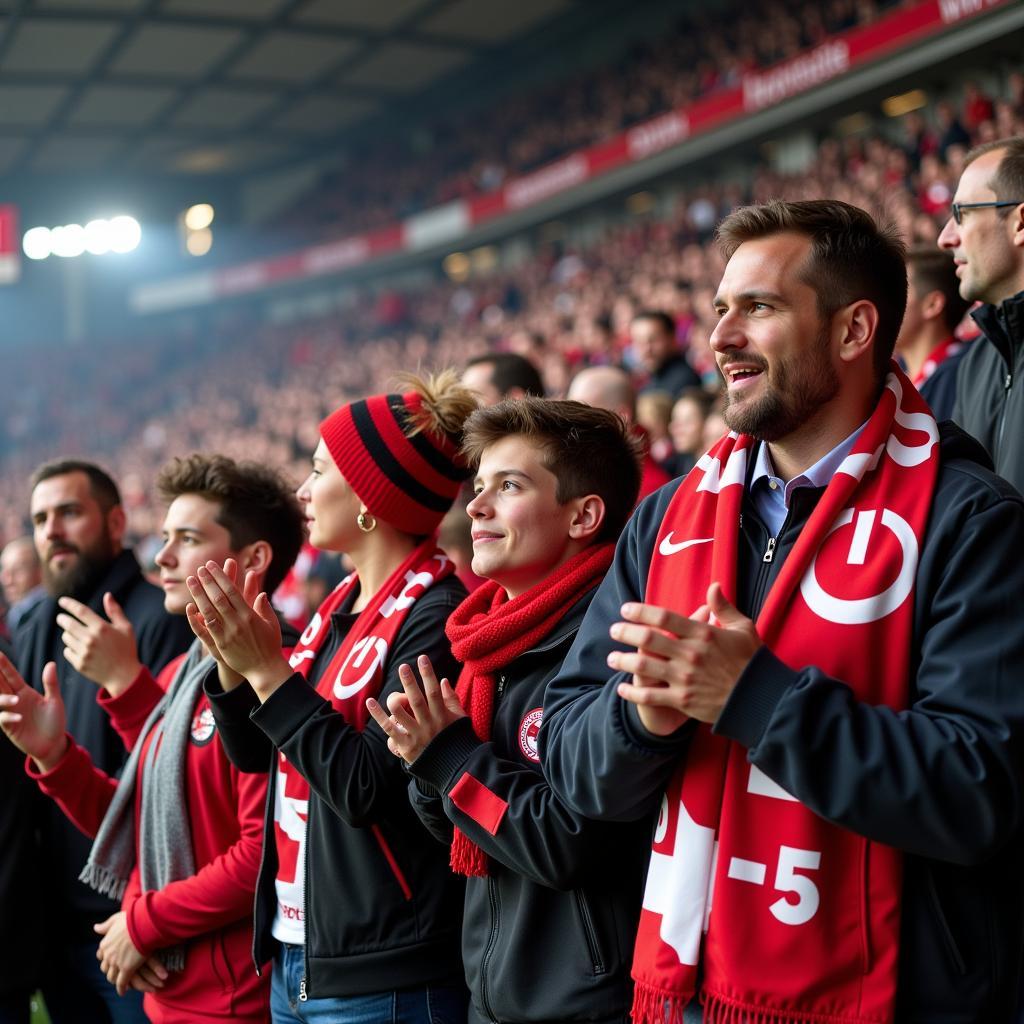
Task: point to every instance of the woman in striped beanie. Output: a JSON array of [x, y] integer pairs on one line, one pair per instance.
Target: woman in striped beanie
[[355, 903]]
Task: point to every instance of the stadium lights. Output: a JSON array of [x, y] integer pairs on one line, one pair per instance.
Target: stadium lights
[[119, 235], [904, 103], [199, 216], [195, 229]]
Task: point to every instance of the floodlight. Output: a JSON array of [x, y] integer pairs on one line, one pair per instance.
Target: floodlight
[[199, 242], [198, 217], [68, 241], [125, 234], [97, 237], [36, 243]]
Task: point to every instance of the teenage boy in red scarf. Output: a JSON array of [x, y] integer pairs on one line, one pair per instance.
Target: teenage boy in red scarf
[[815, 650], [547, 927], [177, 838]]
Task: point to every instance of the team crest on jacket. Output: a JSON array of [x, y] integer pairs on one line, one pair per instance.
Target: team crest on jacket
[[528, 731], [203, 727]]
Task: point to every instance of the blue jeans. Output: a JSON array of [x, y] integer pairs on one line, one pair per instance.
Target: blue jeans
[[431, 1005], [76, 990]]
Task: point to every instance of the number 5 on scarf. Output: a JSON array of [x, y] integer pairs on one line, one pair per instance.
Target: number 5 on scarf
[[787, 880]]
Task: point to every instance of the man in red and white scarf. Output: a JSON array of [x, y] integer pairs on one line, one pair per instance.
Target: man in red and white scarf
[[927, 344], [814, 650]]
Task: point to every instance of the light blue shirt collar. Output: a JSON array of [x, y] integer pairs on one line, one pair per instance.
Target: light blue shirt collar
[[771, 494]]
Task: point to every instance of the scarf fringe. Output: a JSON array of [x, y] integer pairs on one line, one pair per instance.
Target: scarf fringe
[[655, 1006], [173, 958], [104, 880], [467, 858], [720, 1009]]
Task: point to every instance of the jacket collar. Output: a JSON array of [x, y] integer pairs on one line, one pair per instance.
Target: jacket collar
[[1003, 325]]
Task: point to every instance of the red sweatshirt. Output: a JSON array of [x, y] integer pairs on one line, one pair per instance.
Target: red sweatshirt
[[212, 910]]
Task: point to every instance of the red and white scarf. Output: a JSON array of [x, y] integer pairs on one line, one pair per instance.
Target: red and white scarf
[[489, 631], [355, 672], [793, 919], [939, 355]]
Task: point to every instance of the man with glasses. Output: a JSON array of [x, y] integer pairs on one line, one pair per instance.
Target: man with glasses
[[985, 235]]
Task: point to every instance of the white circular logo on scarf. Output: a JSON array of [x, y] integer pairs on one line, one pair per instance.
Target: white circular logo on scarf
[[203, 727], [528, 730], [370, 651], [859, 611]]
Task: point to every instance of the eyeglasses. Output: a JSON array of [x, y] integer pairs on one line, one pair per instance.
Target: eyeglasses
[[958, 208]]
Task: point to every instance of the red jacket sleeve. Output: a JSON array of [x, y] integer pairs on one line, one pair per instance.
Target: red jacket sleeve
[[81, 790], [218, 894], [128, 711]]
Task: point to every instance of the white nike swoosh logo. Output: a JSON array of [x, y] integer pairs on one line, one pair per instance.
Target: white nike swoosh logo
[[668, 548]]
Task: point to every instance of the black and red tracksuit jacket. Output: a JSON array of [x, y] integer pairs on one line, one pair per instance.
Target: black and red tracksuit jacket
[[382, 909], [548, 935]]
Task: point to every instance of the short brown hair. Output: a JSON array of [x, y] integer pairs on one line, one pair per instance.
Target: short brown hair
[[101, 483], [933, 270], [589, 451], [255, 503], [851, 258], [1007, 180]]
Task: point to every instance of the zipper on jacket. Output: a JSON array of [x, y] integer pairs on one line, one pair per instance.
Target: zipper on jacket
[[764, 572], [589, 932], [1007, 385], [489, 948], [268, 833], [944, 927], [305, 910]]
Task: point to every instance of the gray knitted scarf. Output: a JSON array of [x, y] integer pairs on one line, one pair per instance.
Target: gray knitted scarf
[[165, 839]]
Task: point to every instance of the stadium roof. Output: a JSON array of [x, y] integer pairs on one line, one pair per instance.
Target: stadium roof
[[234, 86]]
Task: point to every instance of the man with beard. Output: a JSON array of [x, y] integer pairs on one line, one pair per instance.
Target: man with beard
[[78, 527], [807, 654]]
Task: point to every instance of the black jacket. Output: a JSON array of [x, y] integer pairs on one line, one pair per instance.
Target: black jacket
[[673, 376], [941, 781], [159, 637], [370, 926], [20, 878], [990, 387], [548, 935]]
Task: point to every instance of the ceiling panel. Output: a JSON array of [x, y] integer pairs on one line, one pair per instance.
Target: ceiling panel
[[57, 46], [222, 108], [373, 14], [73, 153], [119, 105], [323, 115], [254, 9], [174, 50], [89, 6], [290, 57], [11, 147], [401, 66], [29, 104], [215, 158], [490, 20]]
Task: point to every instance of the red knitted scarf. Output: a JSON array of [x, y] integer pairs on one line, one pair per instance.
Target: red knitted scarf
[[488, 631], [793, 919]]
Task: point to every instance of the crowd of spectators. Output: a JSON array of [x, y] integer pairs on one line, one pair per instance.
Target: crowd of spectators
[[464, 155], [234, 384]]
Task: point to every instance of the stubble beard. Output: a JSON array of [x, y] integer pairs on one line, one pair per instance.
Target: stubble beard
[[793, 393]]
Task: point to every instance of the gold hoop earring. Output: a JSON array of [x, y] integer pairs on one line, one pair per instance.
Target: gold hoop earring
[[366, 522]]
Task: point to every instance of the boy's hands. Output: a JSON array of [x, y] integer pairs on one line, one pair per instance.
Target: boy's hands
[[417, 716]]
